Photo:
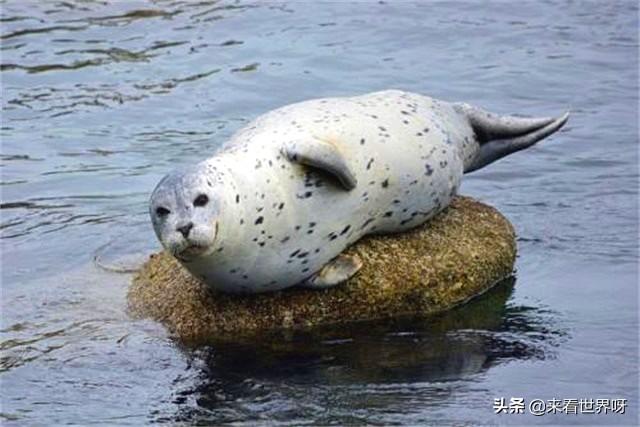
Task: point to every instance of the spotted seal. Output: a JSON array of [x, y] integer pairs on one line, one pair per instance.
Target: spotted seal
[[278, 204]]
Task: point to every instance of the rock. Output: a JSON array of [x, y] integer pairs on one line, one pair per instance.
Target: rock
[[457, 255]]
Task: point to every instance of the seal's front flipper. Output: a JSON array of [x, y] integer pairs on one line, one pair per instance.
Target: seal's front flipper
[[500, 136], [324, 155], [335, 272]]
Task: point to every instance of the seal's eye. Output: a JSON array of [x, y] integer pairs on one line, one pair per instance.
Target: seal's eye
[[161, 212], [201, 200]]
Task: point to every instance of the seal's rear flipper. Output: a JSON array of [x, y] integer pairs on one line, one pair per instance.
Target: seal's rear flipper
[[323, 155], [500, 136]]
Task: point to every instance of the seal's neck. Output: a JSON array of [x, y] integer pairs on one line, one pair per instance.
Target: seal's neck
[[232, 211]]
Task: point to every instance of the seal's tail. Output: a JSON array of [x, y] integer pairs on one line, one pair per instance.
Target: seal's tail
[[500, 136]]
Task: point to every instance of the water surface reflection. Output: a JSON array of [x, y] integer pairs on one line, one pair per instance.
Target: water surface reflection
[[375, 367]]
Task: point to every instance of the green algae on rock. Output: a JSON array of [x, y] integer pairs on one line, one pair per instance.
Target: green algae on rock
[[457, 255]]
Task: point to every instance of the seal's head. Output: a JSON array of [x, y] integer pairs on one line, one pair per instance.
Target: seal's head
[[185, 210]]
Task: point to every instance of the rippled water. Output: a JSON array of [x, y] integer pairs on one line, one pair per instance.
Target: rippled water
[[100, 99]]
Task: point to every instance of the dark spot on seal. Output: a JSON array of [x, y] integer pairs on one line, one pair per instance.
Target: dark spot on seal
[[367, 222], [286, 239], [259, 220], [280, 206], [362, 141], [443, 164], [294, 253], [237, 198], [429, 171], [388, 214], [303, 254], [298, 227], [369, 163], [261, 244], [307, 180], [385, 183], [344, 230], [312, 224]]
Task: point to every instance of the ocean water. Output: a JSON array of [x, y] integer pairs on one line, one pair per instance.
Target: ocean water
[[101, 99]]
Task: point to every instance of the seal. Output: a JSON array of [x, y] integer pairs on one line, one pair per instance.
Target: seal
[[279, 202]]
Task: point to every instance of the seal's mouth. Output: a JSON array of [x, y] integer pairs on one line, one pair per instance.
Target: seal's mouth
[[190, 252], [193, 248]]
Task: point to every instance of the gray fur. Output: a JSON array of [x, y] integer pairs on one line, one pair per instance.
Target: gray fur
[[500, 136]]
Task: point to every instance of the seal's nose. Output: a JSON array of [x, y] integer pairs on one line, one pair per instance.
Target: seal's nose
[[185, 229]]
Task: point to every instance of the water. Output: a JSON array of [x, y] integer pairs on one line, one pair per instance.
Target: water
[[100, 100]]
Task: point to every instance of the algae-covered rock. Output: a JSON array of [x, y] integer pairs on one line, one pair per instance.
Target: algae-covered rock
[[457, 255]]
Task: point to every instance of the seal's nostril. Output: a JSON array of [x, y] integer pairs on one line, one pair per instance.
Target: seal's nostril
[[185, 229]]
